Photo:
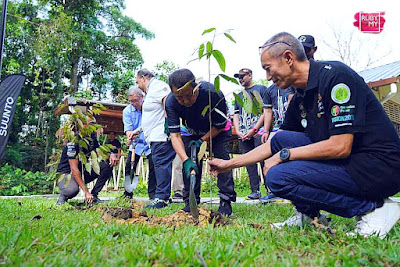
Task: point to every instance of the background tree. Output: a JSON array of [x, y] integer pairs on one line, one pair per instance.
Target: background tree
[[350, 47], [64, 47]]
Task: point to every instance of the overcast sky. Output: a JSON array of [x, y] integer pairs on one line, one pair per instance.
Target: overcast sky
[[178, 24]]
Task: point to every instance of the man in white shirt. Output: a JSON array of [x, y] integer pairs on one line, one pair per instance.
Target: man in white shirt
[[153, 120]]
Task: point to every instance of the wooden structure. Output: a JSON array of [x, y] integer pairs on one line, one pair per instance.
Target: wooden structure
[[110, 119]]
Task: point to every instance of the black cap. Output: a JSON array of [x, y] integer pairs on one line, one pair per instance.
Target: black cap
[[307, 41], [243, 71]]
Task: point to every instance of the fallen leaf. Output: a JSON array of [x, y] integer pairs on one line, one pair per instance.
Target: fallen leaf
[[95, 225], [257, 226], [37, 217], [116, 233]]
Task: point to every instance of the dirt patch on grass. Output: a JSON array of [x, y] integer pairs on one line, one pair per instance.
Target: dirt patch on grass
[[137, 215]]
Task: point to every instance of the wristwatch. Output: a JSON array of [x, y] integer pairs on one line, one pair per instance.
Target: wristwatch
[[284, 154], [255, 129]]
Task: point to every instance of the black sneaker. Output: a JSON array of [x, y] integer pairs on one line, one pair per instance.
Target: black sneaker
[[225, 208], [61, 200], [254, 195], [96, 199], [127, 195], [157, 204], [177, 195], [186, 208]]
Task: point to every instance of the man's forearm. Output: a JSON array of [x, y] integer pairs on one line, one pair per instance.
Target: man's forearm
[[178, 146], [214, 133], [78, 178], [258, 154]]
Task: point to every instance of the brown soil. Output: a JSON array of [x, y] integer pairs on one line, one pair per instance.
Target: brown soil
[[137, 215]]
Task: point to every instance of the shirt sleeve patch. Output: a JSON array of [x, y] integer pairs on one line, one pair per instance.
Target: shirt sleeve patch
[[340, 93], [71, 150]]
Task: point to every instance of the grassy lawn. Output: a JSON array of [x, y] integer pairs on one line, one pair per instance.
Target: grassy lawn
[[69, 237]]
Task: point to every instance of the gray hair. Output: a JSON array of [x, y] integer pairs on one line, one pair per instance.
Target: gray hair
[[145, 73], [282, 41], [135, 90]]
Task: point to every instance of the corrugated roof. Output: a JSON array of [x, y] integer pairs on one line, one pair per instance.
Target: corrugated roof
[[382, 72]]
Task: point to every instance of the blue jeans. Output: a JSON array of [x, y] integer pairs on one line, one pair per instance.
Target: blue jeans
[[162, 154], [314, 185]]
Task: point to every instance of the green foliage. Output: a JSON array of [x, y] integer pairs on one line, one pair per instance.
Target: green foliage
[[164, 69], [16, 181], [208, 50], [78, 129], [66, 47]]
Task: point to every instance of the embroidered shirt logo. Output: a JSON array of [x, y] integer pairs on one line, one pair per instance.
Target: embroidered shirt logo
[[340, 93]]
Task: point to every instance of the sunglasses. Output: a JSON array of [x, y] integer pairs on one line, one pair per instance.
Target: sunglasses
[[269, 45], [241, 76]]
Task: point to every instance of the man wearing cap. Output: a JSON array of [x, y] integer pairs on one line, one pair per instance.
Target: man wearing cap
[[153, 121], [338, 150], [308, 43], [249, 128], [187, 102]]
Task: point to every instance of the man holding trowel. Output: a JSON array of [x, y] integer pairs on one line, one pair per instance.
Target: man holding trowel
[[188, 101], [132, 118]]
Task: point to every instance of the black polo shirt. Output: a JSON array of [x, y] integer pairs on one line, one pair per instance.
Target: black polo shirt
[[246, 120], [338, 101], [192, 119], [71, 150], [115, 143]]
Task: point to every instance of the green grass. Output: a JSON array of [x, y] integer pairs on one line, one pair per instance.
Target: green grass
[[68, 237]]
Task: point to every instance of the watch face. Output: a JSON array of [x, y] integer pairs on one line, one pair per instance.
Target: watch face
[[284, 154]]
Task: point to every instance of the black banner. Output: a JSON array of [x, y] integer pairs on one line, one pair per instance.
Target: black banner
[[10, 87]]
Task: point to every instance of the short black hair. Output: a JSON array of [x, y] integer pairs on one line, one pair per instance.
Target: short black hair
[[180, 77]]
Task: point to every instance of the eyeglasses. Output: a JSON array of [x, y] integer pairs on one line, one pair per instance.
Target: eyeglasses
[[261, 48]]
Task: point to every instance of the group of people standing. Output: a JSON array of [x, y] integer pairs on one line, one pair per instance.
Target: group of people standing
[[324, 140]]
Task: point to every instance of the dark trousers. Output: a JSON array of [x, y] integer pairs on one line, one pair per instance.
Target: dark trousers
[[226, 186], [72, 188], [163, 154], [314, 185], [151, 186], [252, 170]]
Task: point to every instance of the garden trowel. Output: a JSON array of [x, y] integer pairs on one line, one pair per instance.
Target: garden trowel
[[192, 199], [131, 180]]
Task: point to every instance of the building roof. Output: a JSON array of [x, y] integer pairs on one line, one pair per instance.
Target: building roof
[[110, 119], [381, 75]]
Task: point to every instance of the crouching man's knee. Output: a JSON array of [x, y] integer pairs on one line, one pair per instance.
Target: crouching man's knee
[[277, 182]]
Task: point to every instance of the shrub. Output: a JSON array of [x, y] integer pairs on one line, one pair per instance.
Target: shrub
[[15, 181]]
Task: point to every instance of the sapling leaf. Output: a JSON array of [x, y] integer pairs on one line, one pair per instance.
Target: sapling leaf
[[220, 59], [208, 30], [238, 99], [209, 48], [229, 37], [202, 151], [88, 167], [83, 144], [216, 84], [203, 113], [201, 51], [247, 102], [229, 79], [258, 100]]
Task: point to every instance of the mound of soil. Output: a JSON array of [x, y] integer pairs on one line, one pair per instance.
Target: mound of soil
[[136, 215]]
